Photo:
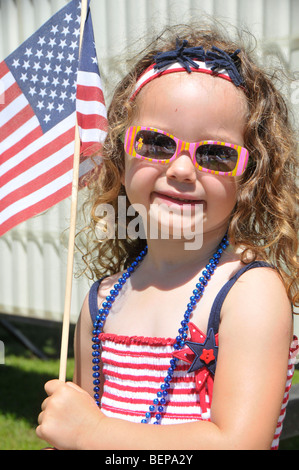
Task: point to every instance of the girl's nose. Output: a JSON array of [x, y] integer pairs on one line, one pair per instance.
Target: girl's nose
[[182, 168]]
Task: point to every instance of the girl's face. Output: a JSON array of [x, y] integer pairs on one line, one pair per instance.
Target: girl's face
[[193, 107]]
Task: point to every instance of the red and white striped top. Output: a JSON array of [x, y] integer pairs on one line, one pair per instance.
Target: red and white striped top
[[134, 369]]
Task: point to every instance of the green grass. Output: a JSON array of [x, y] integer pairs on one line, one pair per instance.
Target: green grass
[[22, 380]]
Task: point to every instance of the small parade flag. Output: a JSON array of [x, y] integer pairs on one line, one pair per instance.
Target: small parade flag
[[44, 89]]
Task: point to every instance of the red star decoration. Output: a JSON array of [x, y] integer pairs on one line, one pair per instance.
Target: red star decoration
[[204, 375], [207, 355]]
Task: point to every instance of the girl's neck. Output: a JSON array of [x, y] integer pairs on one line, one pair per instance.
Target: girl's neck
[[165, 256]]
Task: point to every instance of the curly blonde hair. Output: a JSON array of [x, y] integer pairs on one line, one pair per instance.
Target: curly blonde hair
[[264, 222]]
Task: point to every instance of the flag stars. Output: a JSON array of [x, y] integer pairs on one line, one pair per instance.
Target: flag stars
[[58, 69], [68, 18], [40, 105], [28, 52], [24, 77], [74, 45], [71, 58], [68, 71], [65, 31], [34, 78], [55, 81], [66, 83], [39, 53], [63, 95], [36, 66], [32, 91], [52, 42], [47, 67], [49, 55], [43, 92], [60, 56], [16, 63], [53, 94], [41, 41], [62, 43], [45, 80], [54, 29], [26, 64], [76, 32]]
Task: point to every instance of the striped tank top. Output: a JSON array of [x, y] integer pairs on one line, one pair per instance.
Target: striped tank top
[[134, 368]]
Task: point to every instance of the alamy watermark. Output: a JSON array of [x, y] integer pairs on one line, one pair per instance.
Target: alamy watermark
[[161, 221]]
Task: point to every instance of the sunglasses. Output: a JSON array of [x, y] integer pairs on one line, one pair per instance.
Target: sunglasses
[[154, 145]]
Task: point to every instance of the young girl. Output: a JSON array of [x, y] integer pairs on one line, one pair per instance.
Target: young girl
[[198, 338]]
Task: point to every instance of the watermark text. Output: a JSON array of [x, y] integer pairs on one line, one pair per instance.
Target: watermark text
[[160, 221]]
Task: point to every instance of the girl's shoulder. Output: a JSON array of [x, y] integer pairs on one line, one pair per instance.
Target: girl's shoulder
[[265, 280], [258, 299]]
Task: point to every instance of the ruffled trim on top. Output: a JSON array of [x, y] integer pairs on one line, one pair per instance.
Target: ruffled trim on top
[[139, 340]]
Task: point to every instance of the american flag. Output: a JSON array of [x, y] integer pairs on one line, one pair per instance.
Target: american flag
[[42, 86]]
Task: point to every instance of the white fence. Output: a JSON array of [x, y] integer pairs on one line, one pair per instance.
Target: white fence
[[32, 255]]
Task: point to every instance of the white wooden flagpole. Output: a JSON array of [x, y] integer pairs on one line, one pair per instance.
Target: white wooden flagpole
[[72, 233]]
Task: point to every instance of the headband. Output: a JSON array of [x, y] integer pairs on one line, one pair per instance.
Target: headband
[[192, 59]]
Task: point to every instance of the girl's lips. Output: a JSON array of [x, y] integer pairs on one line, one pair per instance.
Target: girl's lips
[[170, 199]]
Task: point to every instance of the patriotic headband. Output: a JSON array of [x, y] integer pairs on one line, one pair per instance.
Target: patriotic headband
[[192, 59]]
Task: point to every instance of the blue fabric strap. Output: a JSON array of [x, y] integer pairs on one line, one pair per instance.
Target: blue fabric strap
[[93, 300], [214, 319]]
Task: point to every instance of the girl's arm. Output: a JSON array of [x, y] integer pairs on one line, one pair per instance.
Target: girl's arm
[[254, 339]]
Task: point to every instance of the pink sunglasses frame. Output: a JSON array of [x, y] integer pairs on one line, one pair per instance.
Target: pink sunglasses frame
[[181, 146]]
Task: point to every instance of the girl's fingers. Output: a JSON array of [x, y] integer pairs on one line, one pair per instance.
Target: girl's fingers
[[52, 386], [44, 404], [40, 418]]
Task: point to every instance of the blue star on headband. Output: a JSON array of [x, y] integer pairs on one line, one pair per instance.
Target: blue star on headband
[[182, 55], [222, 60], [216, 58]]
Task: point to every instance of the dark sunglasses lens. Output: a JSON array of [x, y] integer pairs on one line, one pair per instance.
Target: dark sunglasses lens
[[151, 144], [217, 157]]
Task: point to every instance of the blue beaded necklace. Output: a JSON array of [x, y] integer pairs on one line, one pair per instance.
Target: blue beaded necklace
[[159, 402]]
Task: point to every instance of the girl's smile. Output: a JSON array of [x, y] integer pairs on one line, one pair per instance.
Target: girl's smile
[[173, 198]]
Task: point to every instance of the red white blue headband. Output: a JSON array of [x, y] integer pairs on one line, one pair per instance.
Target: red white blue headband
[[193, 59]]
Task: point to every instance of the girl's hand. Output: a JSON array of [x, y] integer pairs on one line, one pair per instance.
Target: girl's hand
[[69, 415]]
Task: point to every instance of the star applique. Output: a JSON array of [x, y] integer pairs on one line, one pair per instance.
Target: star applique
[[201, 352], [205, 353]]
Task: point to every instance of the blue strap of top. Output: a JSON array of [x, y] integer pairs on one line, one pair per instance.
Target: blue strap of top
[[214, 319], [216, 307], [93, 300]]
